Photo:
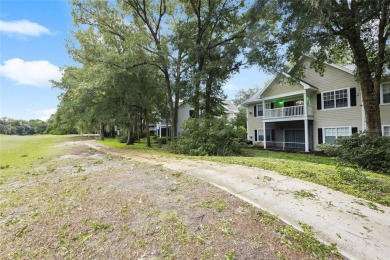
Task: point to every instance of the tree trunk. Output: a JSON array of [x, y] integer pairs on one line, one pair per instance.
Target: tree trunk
[[166, 130], [176, 115], [197, 86], [147, 128], [101, 136], [208, 96], [370, 91], [129, 135], [138, 127], [170, 100]]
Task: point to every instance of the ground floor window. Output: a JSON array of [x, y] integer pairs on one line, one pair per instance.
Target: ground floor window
[[386, 130], [260, 134], [332, 133]]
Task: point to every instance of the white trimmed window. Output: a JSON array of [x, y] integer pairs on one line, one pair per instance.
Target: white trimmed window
[[260, 110], [385, 93], [386, 130], [335, 99], [332, 133], [260, 134]]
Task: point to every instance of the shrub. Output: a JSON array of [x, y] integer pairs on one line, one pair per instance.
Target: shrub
[[241, 132], [163, 140], [207, 136], [363, 150], [121, 138]]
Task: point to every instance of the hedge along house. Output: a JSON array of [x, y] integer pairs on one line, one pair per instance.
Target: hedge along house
[[186, 111], [312, 111]]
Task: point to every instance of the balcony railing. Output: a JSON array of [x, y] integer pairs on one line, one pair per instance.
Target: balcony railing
[[283, 112]]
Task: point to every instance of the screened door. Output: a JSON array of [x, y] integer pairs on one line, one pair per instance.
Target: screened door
[[294, 138]]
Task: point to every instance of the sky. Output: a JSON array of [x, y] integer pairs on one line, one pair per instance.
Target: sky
[[32, 51]]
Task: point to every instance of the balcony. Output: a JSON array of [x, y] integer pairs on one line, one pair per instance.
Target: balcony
[[288, 112]]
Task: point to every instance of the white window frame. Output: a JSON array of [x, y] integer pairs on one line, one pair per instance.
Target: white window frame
[[258, 110], [381, 93], [334, 91], [383, 130], [335, 127], [261, 130]]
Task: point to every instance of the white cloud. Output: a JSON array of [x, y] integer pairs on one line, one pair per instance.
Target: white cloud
[[33, 73], [230, 89], [23, 27], [43, 114], [229, 86]]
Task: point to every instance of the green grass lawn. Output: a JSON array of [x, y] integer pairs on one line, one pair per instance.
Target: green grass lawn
[[19, 153], [321, 170]]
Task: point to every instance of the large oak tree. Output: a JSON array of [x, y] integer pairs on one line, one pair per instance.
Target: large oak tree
[[327, 29]]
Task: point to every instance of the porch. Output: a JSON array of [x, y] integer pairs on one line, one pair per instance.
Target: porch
[[288, 107], [288, 112], [289, 135]]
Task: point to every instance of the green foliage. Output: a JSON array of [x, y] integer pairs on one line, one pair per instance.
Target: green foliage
[[306, 242], [121, 138], [207, 136], [241, 131], [362, 150], [163, 140], [11, 126]]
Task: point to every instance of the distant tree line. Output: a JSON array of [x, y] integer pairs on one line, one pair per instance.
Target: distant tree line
[[9, 126]]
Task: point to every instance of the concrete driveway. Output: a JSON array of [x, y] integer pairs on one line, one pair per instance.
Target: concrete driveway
[[360, 231]]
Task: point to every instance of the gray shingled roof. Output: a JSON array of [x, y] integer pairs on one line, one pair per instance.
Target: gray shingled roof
[[230, 106], [253, 99]]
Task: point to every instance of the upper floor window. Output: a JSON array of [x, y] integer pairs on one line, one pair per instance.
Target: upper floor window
[[385, 95], [386, 130], [260, 110], [335, 99]]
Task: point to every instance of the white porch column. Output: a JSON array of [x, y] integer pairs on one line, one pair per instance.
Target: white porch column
[[306, 135], [264, 135], [305, 103]]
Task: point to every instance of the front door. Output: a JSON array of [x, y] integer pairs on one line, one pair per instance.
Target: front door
[[294, 138]]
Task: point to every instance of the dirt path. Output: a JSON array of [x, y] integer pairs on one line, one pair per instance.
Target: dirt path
[[361, 229]]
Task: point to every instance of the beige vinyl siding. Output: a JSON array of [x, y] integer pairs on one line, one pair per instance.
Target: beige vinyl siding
[[385, 114], [333, 79], [350, 117], [253, 122], [278, 88]]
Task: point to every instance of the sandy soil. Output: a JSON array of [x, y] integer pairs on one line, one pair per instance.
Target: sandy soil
[[97, 202]]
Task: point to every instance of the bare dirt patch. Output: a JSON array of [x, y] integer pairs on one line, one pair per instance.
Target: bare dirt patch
[[86, 204]]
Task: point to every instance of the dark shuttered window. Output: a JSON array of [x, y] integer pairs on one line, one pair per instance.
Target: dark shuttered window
[[319, 102], [319, 135], [352, 93]]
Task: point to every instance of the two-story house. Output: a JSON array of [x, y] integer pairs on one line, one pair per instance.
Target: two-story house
[[315, 110], [186, 111]]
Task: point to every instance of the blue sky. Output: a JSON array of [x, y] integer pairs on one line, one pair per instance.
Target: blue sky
[[32, 49]]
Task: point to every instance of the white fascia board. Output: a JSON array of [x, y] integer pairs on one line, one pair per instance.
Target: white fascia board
[[285, 95]]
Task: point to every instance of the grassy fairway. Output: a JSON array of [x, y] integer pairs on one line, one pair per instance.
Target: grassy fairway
[[19, 153], [322, 170]]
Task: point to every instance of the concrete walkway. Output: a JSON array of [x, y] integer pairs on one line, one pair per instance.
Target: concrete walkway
[[359, 231]]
